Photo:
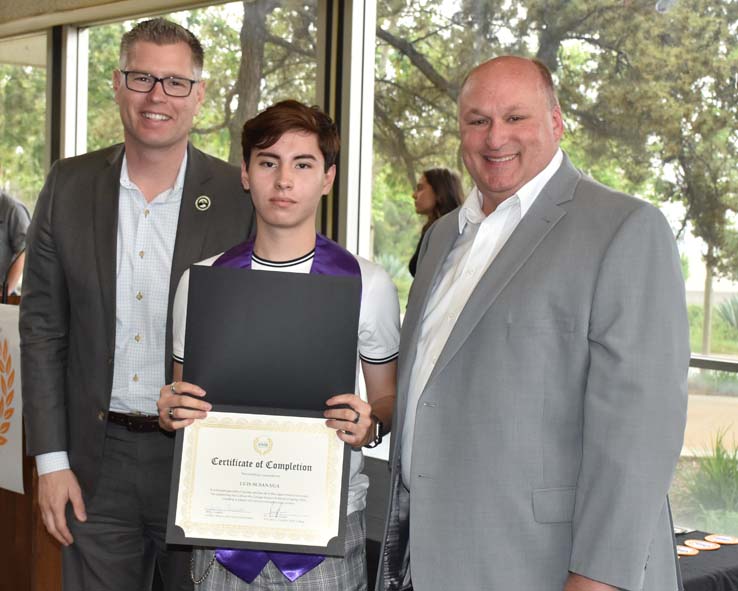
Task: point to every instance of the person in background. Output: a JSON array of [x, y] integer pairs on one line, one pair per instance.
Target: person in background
[[437, 193], [111, 235], [14, 221]]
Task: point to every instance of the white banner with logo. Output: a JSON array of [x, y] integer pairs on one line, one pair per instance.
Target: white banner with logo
[[11, 407]]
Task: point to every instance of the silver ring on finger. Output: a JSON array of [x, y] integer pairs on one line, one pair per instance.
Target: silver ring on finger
[[173, 387], [357, 417], [170, 412]]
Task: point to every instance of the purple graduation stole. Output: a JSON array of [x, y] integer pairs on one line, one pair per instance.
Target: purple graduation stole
[[330, 259]]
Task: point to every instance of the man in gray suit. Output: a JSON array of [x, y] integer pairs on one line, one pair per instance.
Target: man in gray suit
[[543, 363], [112, 233]]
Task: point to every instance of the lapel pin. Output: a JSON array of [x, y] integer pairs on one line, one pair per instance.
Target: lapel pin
[[202, 203]]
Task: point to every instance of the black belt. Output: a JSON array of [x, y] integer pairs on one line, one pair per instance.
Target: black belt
[[135, 423]]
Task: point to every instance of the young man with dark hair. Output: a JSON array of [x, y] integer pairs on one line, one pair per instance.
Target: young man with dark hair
[[289, 164]]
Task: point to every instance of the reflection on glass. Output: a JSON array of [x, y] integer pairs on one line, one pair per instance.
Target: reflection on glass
[[247, 68], [704, 494], [23, 117], [723, 321]]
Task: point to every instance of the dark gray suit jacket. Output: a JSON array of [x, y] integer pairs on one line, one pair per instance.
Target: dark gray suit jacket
[[547, 435], [67, 315]]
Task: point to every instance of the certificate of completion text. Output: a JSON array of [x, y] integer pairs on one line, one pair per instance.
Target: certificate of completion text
[[260, 478]]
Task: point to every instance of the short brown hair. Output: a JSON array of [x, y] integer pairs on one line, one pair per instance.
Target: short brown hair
[[162, 32], [267, 127]]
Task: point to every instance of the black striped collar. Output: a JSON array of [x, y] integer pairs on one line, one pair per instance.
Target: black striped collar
[[283, 264]]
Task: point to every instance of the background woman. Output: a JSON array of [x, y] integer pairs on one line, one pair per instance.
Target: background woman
[[437, 193]]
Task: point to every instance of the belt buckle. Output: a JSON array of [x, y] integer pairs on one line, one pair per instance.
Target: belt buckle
[[130, 423], [143, 423], [137, 422]]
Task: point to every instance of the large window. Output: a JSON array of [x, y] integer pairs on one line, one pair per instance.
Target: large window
[[648, 94], [705, 489], [23, 117]]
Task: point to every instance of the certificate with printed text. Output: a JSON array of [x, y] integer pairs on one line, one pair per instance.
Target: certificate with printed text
[[261, 481], [263, 471]]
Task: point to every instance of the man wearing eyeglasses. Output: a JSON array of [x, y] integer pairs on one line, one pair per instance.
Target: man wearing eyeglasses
[[112, 232]]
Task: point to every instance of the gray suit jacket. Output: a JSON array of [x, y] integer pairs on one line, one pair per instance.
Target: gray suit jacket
[[67, 315], [548, 432]]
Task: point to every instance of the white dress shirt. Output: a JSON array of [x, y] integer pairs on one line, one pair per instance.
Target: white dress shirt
[[480, 240], [145, 239]]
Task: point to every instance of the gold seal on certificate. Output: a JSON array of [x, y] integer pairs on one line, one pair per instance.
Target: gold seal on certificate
[[261, 479]]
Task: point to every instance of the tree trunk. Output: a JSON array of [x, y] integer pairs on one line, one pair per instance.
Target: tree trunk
[[248, 85], [707, 321]]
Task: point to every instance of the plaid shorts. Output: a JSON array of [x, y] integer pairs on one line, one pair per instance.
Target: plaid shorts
[[333, 574]]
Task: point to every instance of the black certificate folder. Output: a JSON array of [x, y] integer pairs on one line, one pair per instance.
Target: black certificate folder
[[271, 339], [269, 348]]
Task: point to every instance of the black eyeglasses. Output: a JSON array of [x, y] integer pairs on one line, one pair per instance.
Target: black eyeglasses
[[172, 85]]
